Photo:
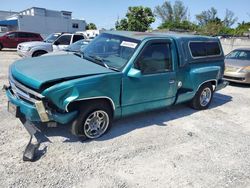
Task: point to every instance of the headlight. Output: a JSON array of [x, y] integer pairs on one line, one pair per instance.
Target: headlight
[[25, 48], [245, 69]]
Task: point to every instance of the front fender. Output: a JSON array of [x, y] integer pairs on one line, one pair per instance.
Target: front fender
[[99, 86], [47, 48]]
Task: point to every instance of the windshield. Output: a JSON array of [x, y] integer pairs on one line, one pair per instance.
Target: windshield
[[51, 38], [113, 50], [239, 54], [76, 46]]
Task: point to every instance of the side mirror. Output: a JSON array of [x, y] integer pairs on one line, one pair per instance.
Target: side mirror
[[134, 73]]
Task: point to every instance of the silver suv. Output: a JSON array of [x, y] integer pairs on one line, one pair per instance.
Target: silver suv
[[54, 42]]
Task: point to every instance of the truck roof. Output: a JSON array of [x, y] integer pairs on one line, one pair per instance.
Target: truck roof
[[143, 35]]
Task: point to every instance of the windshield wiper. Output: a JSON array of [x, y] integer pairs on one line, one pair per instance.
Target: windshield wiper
[[99, 59]]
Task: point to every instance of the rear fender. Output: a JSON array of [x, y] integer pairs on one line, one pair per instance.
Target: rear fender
[[202, 75]]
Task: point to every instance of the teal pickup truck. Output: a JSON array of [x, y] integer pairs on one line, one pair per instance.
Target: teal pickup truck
[[117, 74]]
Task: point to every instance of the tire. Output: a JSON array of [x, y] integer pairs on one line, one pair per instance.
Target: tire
[[1, 46], [203, 97], [38, 53], [88, 124]]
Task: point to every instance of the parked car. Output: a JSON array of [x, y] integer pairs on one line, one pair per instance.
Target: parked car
[[76, 47], [13, 38], [238, 66], [61, 42], [118, 74]]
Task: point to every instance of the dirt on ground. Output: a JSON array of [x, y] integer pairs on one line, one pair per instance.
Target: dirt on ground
[[174, 147]]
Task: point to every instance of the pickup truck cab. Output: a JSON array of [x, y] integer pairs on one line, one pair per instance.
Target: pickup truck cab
[[55, 42], [118, 74]]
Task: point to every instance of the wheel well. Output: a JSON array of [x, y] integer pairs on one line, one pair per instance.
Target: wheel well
[[76, 105], [213, 82], [42, 51]]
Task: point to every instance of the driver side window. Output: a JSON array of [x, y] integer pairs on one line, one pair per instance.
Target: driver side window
[[12, 35], [155, 58], [63, 40]]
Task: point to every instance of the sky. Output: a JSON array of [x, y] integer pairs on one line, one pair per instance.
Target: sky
[[105, 13]]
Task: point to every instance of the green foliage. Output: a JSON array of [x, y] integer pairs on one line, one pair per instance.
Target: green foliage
[[184, 25], [122, 24], [207, 16], [137, 19], [242, 28], [171, 13], [91, 26], [210, 24], [174, 16], [214, 28]]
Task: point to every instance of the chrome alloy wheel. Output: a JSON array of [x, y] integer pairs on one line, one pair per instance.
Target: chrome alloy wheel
[[205, 96], [96, 124]]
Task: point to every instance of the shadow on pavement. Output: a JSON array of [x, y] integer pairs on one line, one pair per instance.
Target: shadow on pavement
[[241, 85], [128, 124]]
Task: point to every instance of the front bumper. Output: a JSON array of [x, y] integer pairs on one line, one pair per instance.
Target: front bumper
[[23, 53], [237, 77], [32, 114]]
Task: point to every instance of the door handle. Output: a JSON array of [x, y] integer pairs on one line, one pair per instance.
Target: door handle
[[171, 81]]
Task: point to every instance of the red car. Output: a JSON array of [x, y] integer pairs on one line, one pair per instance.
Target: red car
[[13, 38]]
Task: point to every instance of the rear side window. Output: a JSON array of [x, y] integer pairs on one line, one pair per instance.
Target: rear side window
[[77, 37], [204, 49]]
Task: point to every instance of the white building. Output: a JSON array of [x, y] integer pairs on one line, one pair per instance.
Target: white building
[[43, 21], [3, 15]]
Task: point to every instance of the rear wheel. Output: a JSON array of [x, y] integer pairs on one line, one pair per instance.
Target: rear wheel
[[1, 46], [203, 97], [93, 121], [38, 53]]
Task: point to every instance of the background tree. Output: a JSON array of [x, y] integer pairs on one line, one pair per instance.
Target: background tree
[[207, 16], [229, 19], [122, 24], [174, 16], [242, 28], [91, 26], [210, 24], [138, 18]]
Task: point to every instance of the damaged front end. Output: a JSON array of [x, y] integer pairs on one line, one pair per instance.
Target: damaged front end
[[33, 108]]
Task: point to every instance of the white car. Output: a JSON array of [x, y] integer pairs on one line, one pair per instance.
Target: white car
[[54, 42]]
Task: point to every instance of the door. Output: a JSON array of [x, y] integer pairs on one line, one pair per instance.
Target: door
[[62, 43], [155, 87], [11, 40]]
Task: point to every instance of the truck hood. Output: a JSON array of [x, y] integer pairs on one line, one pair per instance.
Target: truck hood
[[48, 70], [35, 43]]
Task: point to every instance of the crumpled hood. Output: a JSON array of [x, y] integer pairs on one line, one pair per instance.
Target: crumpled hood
[[35, 43], [35, 72]]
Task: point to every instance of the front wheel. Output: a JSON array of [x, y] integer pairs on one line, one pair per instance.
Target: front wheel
[[203, 97], [93, 121], [1, 46]]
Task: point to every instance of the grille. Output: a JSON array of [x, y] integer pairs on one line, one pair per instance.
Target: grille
[[24, 93]]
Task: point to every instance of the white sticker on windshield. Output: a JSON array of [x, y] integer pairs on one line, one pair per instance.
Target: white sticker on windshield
[[128, 44]]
